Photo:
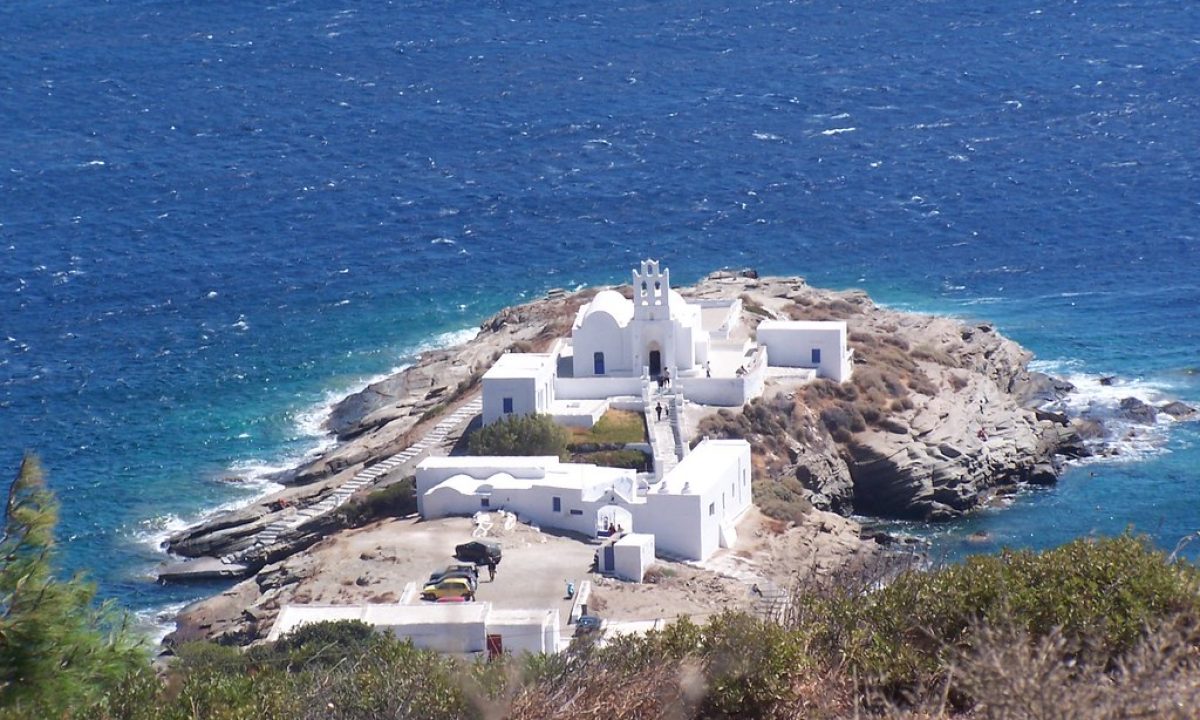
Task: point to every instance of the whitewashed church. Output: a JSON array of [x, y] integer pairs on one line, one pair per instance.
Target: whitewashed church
[[657, 351], [620, 348]]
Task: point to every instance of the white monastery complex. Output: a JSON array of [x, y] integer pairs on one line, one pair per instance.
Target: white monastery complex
[[649, 354], [657, 354]]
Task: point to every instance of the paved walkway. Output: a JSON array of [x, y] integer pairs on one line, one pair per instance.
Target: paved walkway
[[665, 439], [436, 436]]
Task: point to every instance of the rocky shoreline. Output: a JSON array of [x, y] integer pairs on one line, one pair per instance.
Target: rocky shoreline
[[940, 417]]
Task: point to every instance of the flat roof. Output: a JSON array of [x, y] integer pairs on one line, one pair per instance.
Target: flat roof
[[397, 615], [521, 617], [501, 462], [803, 325], [517, 366], [638, 539], [697, 469], [426, 614]]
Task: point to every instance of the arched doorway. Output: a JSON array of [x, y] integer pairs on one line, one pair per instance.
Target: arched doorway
[[654, 360], [611, 518]]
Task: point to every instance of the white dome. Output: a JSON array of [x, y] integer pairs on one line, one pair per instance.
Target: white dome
[[613, 304]]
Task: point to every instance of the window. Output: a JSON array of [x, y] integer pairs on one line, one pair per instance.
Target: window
[[816, 356], [557, 502], [598, 363], [712, 508], [484, 502], [576, 512], [508, 406]]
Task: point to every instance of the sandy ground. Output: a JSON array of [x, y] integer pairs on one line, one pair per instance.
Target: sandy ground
[[376, 562]]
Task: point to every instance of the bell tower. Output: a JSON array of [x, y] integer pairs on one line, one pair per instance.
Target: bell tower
[[650, 287]]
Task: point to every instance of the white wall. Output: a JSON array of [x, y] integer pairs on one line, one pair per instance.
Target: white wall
[[521, 390], [532, 505], [534, 633], [599, 332], [633, 555], [673, 520], [592, 388], [532, 393], [791, 345], [447, 637], [433, 470]]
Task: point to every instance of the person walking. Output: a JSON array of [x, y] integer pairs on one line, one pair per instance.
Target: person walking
[[491, 571], [658, 410]]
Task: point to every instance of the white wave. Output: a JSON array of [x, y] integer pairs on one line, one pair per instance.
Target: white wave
[[838, 131], [155, 531], [766, 136], [985, 300], [157, 622], [442, 241], [1098, 397], [258, 476]]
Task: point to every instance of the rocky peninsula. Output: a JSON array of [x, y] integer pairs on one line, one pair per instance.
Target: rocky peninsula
[[940, 417]]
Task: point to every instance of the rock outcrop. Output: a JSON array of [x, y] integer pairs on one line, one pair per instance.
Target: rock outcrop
[[939, 415]]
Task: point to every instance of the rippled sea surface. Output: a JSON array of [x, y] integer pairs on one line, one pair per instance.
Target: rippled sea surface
[[216, 218]]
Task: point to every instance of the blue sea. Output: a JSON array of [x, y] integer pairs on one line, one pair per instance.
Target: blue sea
[[217, 218]]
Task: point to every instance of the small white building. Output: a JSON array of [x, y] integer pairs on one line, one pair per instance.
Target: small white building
[[518, 383], [820, 345], [691, 512], [632, 556], [445, 627]]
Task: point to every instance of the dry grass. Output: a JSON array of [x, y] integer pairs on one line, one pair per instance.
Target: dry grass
[[616, 427]]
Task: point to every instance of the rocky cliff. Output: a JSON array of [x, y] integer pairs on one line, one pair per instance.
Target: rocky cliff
[[940, 416]]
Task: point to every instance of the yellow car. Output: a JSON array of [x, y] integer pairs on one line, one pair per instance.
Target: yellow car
[[449, 589]]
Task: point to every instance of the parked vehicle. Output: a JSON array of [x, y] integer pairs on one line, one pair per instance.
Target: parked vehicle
[[588, 624], [466, 572], [449, 588], [480, 552]]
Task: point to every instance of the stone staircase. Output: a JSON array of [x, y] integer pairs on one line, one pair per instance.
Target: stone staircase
[[666, 435], [269, 535]]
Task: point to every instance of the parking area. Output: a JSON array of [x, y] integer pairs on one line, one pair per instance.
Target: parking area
[[374, 563]]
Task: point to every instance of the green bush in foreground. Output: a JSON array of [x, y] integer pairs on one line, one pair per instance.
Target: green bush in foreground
[[520, 435], [1101, 630], [1106, 593], [57, 649]]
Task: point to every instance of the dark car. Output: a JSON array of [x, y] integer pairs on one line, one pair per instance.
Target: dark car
[[588, 624], [480, 552]]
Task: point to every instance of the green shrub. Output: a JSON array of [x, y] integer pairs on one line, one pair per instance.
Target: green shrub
[[615, 427], [520, 435], [396, 500], [628, 459], [1107, 592], [322, 643]]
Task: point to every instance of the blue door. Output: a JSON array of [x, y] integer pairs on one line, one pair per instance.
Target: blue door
[[598, 363], [816, 356]]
